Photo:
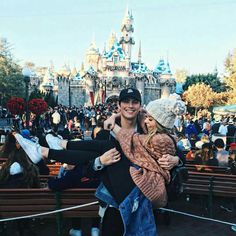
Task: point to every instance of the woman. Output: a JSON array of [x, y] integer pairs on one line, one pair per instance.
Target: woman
[[18, 172], [205, 156]]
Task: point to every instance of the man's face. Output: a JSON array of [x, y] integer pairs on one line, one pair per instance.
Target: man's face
[[129, 108]]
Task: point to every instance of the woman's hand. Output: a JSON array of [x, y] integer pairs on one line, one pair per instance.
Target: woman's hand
[[110, 157], [168, 161], [110, 122]]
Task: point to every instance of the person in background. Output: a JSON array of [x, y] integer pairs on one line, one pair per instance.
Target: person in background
[[56, 119], [191, 130], [19, 172], [232, 158], [98, 128], [205, 156], [221, 154], [231, 132], [223, 128], [183, 143], [215, 127]]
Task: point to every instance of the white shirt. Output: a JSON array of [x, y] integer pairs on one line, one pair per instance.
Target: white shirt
[[56, 118], [223, 129]]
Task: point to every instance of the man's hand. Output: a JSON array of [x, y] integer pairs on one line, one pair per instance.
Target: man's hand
[[110, 157], [168, 161]]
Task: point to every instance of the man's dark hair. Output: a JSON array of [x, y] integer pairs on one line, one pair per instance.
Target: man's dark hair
[[219, 143]]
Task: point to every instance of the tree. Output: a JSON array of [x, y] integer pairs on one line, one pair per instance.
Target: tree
[[230, 76], [199, 96], [181, 75], [36, 93], [209, 79], [49, 98], [11, 79]]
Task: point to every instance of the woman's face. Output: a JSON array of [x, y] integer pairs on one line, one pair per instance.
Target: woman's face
[[205, 150], [150, 122]]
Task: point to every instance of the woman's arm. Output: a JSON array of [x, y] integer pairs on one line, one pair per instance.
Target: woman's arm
[[110, 123]]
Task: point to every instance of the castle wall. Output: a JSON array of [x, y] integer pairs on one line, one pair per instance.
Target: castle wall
[[63, 92], [78, 95], [151, 92]]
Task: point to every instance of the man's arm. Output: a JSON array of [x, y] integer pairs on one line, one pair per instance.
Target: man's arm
[[108, 158], [168, 161]]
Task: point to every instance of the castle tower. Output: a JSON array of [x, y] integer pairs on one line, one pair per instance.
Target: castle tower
[[127, 29], [92, 56], [48, 82]]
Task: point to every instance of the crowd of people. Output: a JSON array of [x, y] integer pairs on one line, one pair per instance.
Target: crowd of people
[[124, 151], [208, 141]]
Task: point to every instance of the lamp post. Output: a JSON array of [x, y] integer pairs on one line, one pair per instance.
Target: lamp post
[[105, 91], [26, 73], [69, 92]]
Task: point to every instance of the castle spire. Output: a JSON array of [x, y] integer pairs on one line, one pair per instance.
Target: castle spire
[[139, 53], [127, 29], [112, 40], [215, 71]]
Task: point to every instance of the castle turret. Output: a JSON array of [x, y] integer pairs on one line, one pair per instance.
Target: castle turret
[[112, 39], [127, 30], [48, 82], [92, 56]]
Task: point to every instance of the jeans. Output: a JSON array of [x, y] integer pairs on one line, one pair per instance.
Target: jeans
[[135, 212]]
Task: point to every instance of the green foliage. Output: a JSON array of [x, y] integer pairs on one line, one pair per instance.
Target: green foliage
[[11, 79], [49, 98], [209, 79], [36, 93]]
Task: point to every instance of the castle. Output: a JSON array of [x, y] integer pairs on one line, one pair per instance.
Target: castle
[[103, 75]]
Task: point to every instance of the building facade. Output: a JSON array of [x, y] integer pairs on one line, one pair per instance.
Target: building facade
[[104, 74]]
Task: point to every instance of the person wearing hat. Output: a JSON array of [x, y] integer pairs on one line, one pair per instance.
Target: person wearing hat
[[117, 187], [144, 150]]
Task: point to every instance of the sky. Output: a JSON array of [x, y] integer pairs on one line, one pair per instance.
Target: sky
[[195, 35]]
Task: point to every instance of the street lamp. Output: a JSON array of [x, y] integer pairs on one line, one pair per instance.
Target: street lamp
[[69, 90], [105, 91], [26, 73]]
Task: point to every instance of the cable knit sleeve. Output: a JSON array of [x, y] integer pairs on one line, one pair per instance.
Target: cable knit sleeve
[[127, 140]]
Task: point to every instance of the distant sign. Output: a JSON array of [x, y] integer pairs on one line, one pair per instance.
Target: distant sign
[[113, 68]]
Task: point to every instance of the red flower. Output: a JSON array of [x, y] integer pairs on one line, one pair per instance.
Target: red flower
[[16, 105], [38, 106]]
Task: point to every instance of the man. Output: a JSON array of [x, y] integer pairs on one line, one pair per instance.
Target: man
[[56, 119], [116, 179]]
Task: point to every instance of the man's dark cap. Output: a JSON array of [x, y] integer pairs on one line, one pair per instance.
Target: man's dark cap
[[130, 93]]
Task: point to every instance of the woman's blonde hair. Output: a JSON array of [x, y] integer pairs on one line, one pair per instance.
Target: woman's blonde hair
[[159, 129]]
